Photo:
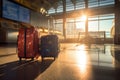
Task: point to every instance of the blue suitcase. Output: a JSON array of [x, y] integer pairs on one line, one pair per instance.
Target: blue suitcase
[[49, 46]]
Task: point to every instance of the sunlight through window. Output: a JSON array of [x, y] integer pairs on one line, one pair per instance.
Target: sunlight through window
[[83, 18], [81, 58]]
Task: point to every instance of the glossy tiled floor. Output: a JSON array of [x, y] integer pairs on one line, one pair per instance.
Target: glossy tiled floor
[[75, 62]]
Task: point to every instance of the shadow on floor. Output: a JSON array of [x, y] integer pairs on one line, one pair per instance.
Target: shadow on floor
[[26, 70]]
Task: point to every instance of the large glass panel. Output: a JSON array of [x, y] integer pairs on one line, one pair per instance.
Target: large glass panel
[[51, 10], [69, 5], [101, 23], [70, 28], [60, 7], [80, 4], [96, 24], [58, 25], [74, 26], [106, 25], [106, 2], [98, 3], [92, 3], [93, 26], [80, 25]]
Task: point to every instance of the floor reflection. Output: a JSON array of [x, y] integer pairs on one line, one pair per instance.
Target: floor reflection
[[75, 62], [116, 57], [82, 60]]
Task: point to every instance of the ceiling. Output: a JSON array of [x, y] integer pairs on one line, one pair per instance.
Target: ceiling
[[39, 5]]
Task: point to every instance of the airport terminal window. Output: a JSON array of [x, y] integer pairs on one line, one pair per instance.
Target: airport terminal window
[[51, 10], [80, 4], [93, 3], [58, 25], [60, 9], [105, 24], [95, 24], [106, 2], [79, 25], [69, 5], [98, 3]]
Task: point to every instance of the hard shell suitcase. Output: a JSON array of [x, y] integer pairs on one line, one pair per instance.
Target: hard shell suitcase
[[30, 53], [21, 43], [49, 46], [28, 43]]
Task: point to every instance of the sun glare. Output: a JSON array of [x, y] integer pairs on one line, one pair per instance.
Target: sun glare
[[81, 24], [83, 18]]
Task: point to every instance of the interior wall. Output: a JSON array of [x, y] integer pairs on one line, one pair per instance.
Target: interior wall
[[11, 36], [8, 34]]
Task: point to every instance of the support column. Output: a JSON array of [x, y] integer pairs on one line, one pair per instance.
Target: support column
[[74, 3], [86, 22], [74, 20], [64, 18], [117, 22], [55, 19], [51, 24]]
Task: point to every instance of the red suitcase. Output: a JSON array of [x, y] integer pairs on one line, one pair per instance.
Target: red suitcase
[[21, 43], [30, 53], [28, 43]]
